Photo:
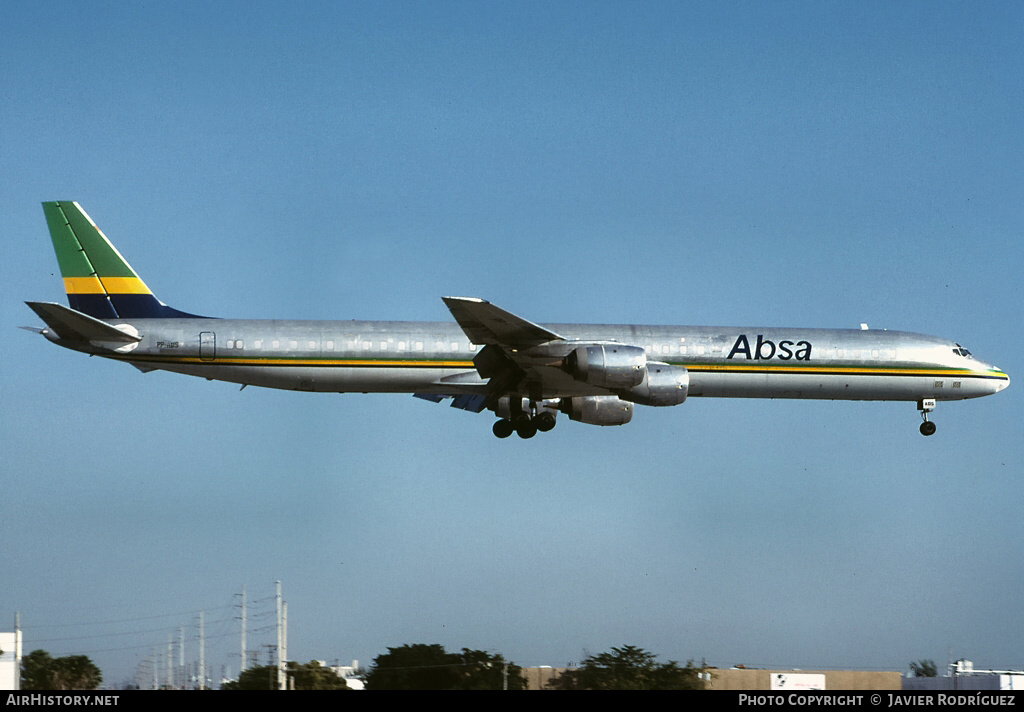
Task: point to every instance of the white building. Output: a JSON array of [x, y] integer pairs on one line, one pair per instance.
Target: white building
[[348, 674], [10, 661]]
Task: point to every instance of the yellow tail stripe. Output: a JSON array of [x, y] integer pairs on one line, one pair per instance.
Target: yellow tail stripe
[[105, 285], [124, 285], [83, 285]]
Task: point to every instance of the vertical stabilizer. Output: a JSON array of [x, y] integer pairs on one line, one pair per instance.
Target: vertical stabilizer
[[98, 280]]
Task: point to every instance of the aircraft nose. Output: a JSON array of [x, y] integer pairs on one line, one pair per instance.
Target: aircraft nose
[[1000, 381]]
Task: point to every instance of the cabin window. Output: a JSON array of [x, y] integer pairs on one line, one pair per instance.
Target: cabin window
[[472, 347], [275, 344], [293, 345], [455, 346], [401, 346], [366, 345], [329, 345], [257, 344], [419, 346], [239, 344], [312, 344], [383, 345]]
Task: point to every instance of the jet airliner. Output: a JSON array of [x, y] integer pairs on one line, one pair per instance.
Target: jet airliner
[[491, 359]]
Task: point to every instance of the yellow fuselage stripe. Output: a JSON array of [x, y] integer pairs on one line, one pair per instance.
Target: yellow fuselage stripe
[[702, 367], [772, 368]]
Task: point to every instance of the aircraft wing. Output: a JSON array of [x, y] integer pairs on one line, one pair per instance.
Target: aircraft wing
[[464, 401], [518, 357], [485, 323]]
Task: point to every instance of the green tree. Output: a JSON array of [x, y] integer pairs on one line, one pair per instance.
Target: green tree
[[40, 671], [924, 668], [628, 668], [35, 671], [311, 676], [482, 671], [430, 667], [263, 677]]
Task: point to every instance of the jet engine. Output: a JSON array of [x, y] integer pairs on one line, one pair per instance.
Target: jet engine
[[613, 366], [598, 410], [663, 384]]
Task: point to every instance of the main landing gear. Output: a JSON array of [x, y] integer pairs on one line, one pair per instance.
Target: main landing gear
[[926, 406], [525, 425]]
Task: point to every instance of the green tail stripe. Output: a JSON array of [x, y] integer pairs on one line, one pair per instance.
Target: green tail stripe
[[70, 256], [82, 250]]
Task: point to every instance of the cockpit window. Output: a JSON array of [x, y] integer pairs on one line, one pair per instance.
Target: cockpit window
[[961, 351]]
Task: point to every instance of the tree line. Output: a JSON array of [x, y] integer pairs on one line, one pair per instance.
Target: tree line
[[409, 667], [429, 667]]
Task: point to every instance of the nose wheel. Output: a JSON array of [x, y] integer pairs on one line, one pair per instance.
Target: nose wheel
[[926, 406]]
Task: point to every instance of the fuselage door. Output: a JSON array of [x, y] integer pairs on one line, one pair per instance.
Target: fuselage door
[[207, 346]]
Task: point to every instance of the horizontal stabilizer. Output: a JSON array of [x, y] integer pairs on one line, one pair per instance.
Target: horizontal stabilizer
[[72, 325]]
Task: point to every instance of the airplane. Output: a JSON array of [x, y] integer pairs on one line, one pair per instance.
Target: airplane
[[491, 359]]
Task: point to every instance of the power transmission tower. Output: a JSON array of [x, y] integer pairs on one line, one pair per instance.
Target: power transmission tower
[[243, 631], [282, 640]]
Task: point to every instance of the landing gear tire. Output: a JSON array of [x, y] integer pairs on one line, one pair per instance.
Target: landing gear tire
[[502, 428], [527, 429], [927, 428], [545, 422]]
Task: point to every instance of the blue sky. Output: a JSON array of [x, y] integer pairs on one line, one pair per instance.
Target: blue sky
[[789, 164]]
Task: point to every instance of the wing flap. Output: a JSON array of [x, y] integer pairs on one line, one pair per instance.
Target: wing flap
[[473, 402]]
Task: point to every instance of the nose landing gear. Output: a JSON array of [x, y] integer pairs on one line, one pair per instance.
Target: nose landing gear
[[926, 406]]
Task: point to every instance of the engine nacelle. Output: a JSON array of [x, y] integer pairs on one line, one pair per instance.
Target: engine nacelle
[[662, 385], [614, 366], [598, 410]]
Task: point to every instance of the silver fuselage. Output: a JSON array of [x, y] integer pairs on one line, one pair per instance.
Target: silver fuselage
[[437, 358]]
